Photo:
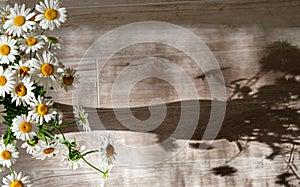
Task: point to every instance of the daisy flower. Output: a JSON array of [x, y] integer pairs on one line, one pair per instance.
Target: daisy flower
[[81, 117], [46, 69], [75, 162], [31, 43], [23, 91], [16, 180], [107, 151], [19, 20], [22, 69], [48, 150], [4, 12], [2, 113], [23, 127], [41, 110], [32, 145], [8, 49], [69, 78], [52, 15], [53, 42], [6, 81], [8, 155]]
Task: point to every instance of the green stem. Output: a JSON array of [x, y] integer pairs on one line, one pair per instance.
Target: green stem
[[94, 151], [11, 170], [104, 173], [55, 127], [67, 124]]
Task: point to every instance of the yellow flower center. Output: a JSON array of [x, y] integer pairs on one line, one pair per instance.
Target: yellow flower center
[[31, 41], [50, 14], [25, 127], [19, 20], [68, 79], [23, 70], [47, 69], [21, 90], [4, 49], [42, 109], [2, 80], [110, 150], [49, 151], [16, 183], [5, 155]]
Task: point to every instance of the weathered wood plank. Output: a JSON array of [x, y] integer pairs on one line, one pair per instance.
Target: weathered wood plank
[[189, 166]]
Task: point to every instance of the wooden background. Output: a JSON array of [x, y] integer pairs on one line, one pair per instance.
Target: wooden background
[[237, 32]]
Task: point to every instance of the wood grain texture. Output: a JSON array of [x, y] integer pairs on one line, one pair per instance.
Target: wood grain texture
[[238, 33], [187, 167]]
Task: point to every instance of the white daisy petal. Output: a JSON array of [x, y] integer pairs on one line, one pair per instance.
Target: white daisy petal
[[18, 18], [51, 14], [81, 117], [16, 179], [8, 154]]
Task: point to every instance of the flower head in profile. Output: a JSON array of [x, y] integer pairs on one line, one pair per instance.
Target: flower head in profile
[[19, 20], [4, 12], [8, 155], [2, 113], [16, 180], [7, 81], [24, 128], [68, 79], [74, 160], [107, 150], [81, 117], [52, 15], [46, 69], [48, 149], [8, 49], [31, 43], [32, 145], [41, 110], [23, 91], [53, 42]]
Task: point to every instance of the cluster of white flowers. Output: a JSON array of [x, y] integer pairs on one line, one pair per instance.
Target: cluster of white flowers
[[28, 69]]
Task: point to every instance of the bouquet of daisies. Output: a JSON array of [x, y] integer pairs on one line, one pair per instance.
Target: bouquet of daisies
[[28, 69]]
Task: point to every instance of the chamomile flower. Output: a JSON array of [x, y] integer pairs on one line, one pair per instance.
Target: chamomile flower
[[16, 180], [7, 81], [23, 127], [2, 113], [68, 79], [46, 69], [32, 145], [48, 150], [23, 91], [19, 20], [107, 150], [8, 49], [8, 155], [81, 117], [31, 43], [53, 42], [41, 110], [73, 160], [22, 68], [52, 15], [4, 12]]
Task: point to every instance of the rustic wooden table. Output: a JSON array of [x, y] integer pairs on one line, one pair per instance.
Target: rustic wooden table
[[254, 147]]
